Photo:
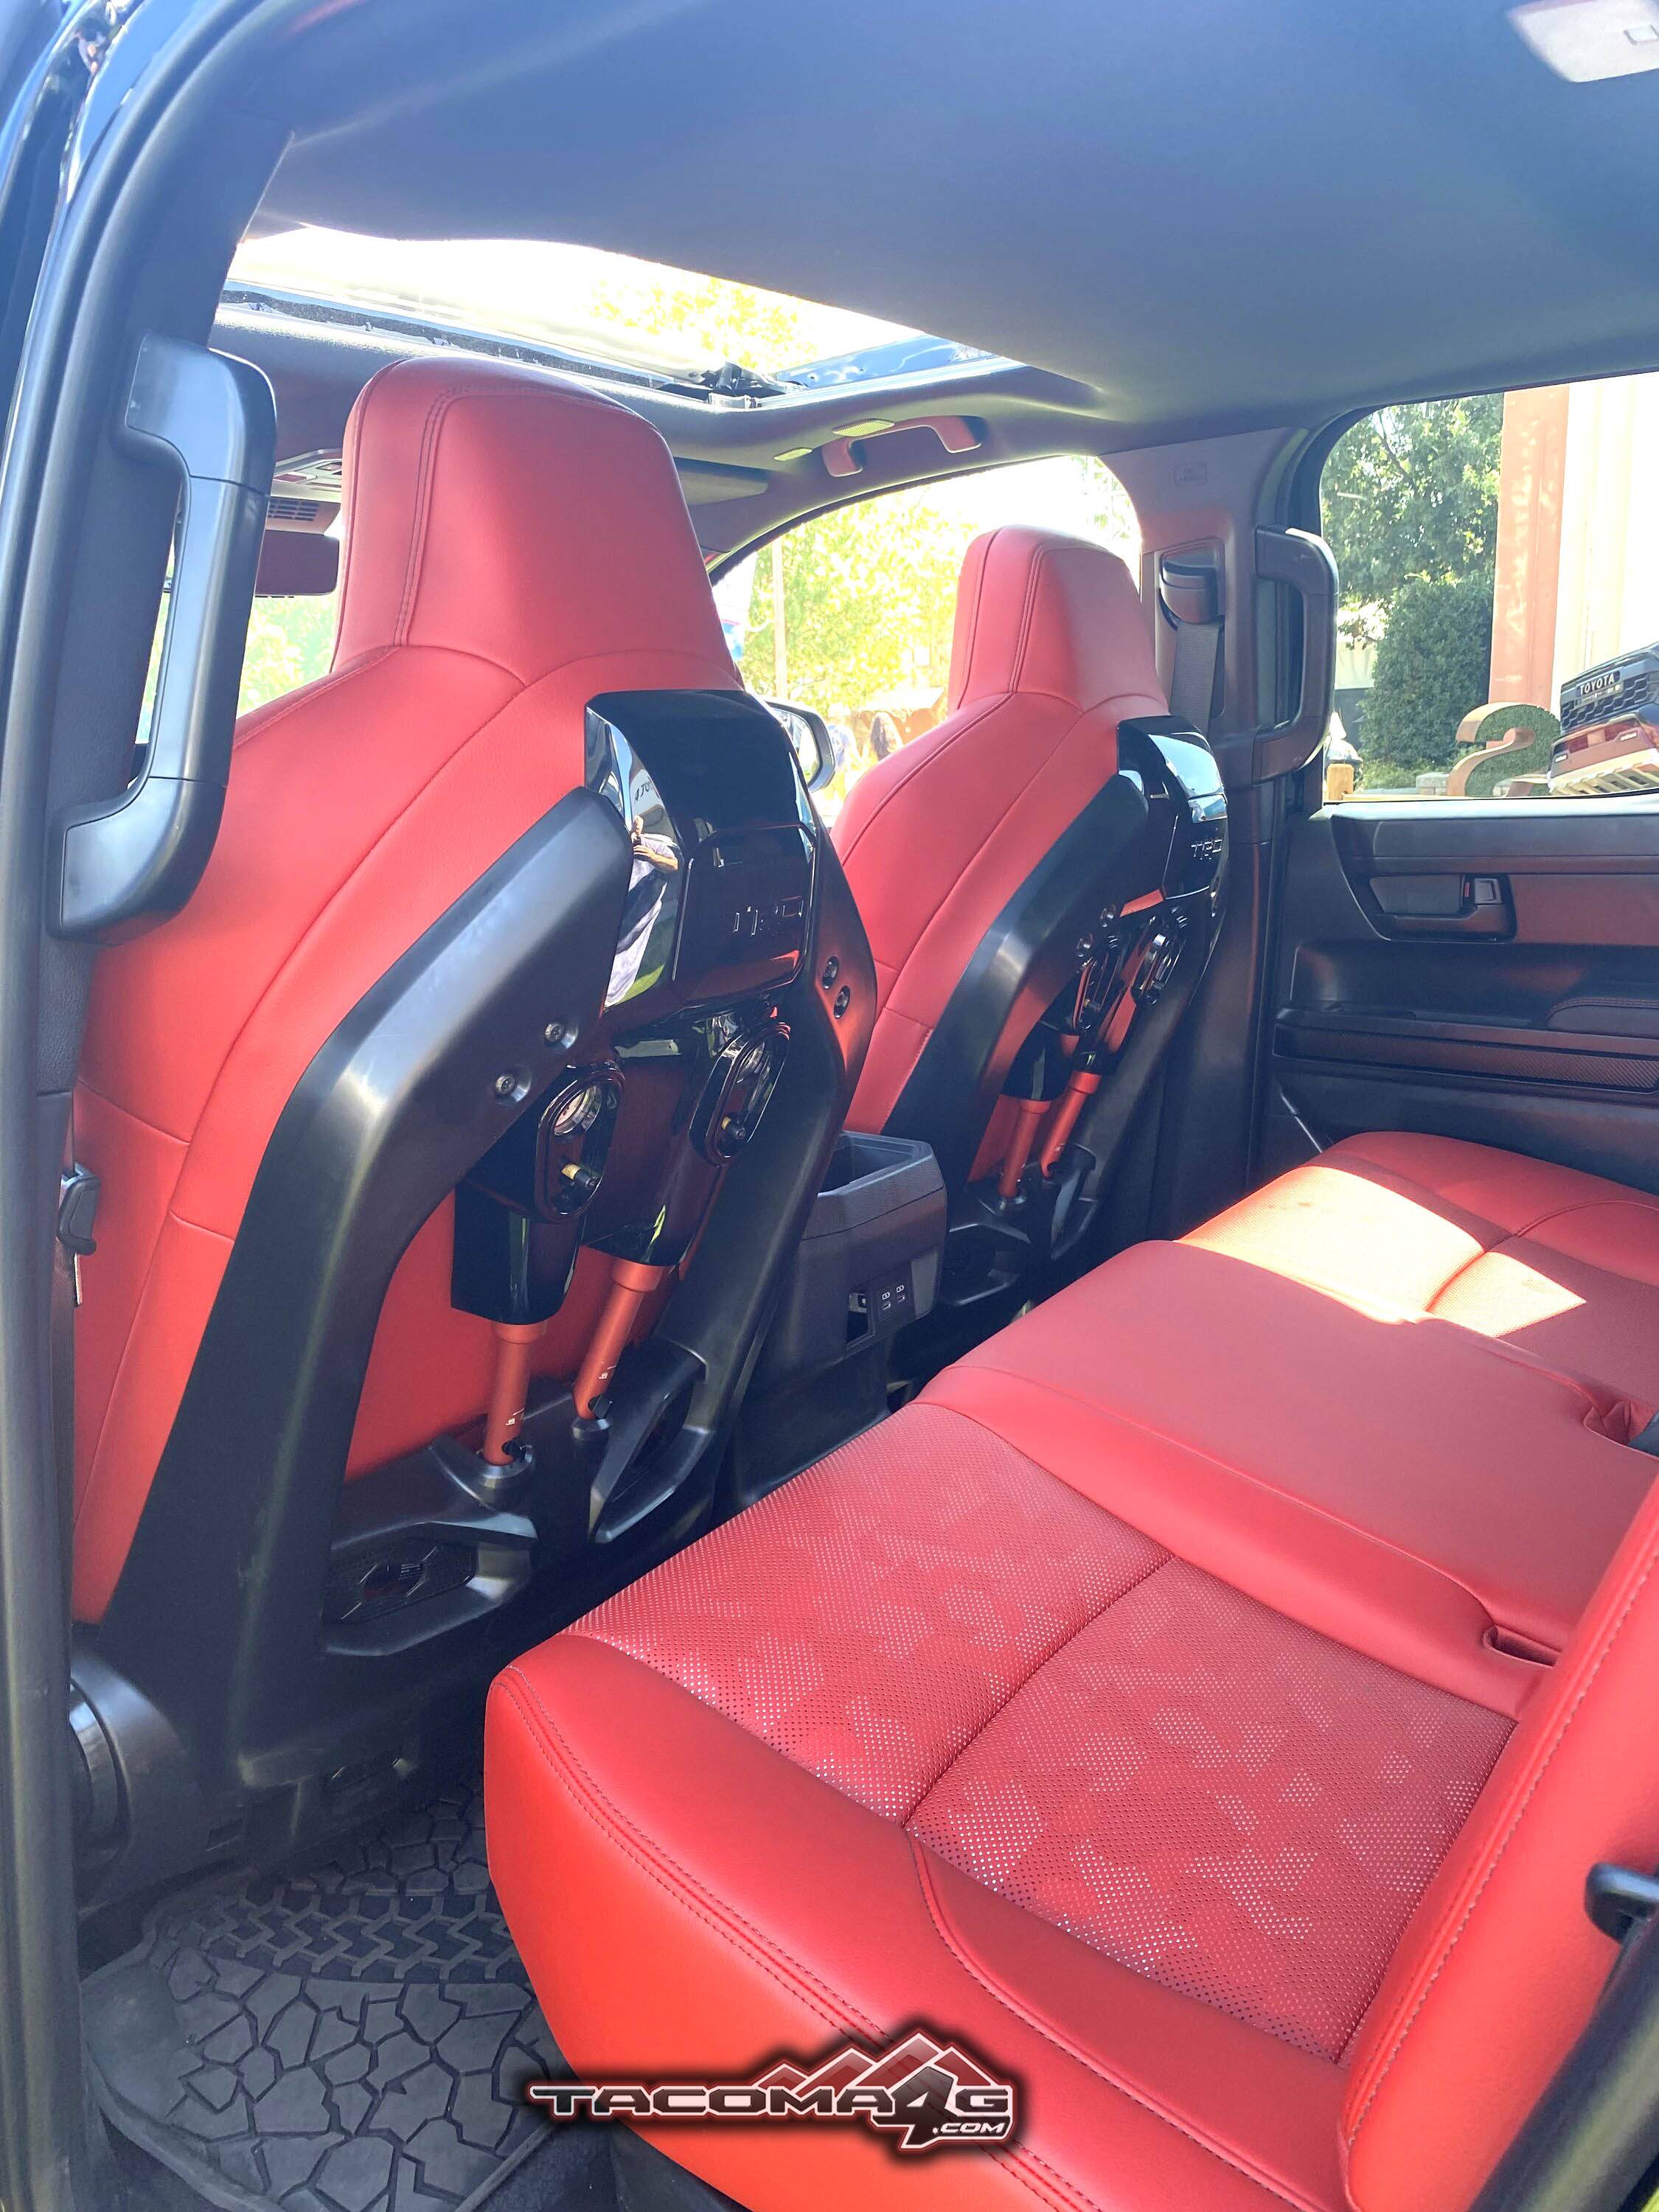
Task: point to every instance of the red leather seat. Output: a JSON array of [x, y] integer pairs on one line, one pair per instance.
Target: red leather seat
[[1211, 1820], [1508, 1476], [1051, 651], [515, 545], [1559, 1264]]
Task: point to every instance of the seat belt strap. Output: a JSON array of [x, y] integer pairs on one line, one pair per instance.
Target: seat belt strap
[[1192, 599], [1191, 677]]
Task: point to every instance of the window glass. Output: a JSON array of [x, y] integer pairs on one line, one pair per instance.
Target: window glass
[[289, 641], [1498, 632], [851, 614], [582, 300]]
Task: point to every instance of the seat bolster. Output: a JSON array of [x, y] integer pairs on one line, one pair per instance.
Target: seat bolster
[[1265, 2104], [687, 1900], [1501, 1967]]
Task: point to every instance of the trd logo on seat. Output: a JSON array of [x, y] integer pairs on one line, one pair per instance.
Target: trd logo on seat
[[920, 2093]]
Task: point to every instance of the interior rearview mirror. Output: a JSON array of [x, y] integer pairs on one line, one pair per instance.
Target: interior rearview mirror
[[809, 733]]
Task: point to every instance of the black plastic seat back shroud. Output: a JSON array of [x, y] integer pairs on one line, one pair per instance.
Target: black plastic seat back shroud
[[217, 1613], [1020, 965]]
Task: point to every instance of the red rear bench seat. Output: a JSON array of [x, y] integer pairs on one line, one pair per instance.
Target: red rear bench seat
[[1157, 1725], [1561, 1265]]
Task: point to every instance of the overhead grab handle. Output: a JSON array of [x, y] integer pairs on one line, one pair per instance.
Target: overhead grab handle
[[844, 456], [136, 858], [1304, 563]]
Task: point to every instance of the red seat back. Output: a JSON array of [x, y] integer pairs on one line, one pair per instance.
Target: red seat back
[[1051, 651], [515, 545]]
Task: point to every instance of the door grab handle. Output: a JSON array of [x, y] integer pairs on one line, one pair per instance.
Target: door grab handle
[[136, 858], [1477, 906], [1304, 563]]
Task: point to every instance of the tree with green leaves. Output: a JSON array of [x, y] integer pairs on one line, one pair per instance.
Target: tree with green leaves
[[868, 594], [1411, 494], [1410, 505], [289, 643], [1431, 668]]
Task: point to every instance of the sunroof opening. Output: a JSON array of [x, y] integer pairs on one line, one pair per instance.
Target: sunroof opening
[[606, 306]]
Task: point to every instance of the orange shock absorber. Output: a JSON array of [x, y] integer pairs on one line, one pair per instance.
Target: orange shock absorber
[[1081, 1085], [515, 1342], [632, 1282], [1022, 1137]]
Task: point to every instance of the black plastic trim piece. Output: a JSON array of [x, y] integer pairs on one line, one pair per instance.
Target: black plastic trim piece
[[1018, 969], [1619, 1900], [1425, 1044], [1567, 837], [445, 1521], [138, 857], [646, 1406], [1593, 2134], [1303, 562], [217, 1613]]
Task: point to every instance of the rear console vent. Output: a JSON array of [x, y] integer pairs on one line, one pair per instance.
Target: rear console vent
[[296, 514]]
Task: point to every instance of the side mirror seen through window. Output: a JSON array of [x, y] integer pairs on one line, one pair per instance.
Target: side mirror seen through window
[[809, 733]]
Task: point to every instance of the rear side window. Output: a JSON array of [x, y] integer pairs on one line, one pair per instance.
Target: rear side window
[[289, 643], [852, 613], [1499, 633]]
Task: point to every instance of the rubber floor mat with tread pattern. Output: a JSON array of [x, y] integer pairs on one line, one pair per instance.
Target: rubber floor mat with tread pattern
[[354, 2038]]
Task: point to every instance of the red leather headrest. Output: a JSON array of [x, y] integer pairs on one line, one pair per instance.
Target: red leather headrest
[[518, 517], [1037, 611]]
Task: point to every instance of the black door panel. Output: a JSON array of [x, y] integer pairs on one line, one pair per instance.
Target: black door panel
[[1571, 872], [1489, 972]]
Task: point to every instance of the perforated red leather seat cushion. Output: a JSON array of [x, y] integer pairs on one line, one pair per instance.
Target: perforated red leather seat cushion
[[871, 1630], [953, 1741], [1555, 1262], [1231, 1804]]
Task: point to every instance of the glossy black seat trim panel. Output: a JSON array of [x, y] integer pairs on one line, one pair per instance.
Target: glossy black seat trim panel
[[218, 1611], [1018, 968]]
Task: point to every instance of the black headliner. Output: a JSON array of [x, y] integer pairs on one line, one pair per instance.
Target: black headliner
[[1216, 214]]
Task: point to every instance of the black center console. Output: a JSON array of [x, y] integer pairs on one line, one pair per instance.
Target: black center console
[[867, 1266]]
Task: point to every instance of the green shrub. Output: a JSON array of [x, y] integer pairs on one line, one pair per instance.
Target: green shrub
[[1433, 665]]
